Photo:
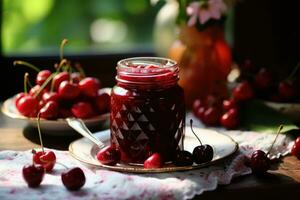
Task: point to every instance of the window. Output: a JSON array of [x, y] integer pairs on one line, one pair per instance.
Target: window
[[100, 33]]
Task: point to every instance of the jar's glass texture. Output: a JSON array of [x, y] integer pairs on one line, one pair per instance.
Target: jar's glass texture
[[147, 109]]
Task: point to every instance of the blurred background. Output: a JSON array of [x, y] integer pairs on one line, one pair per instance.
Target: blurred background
[[101, 32]]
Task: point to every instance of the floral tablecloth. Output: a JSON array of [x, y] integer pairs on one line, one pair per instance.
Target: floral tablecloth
[[104, 184]]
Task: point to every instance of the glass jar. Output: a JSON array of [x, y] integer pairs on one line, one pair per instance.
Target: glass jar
[[147, 109]]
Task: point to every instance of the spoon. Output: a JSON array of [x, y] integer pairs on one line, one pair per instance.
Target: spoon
[[79, 126]]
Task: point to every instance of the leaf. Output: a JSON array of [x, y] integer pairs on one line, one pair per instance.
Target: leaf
[[258, 117]]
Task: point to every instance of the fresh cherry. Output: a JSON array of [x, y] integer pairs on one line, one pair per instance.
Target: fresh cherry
[[183, 158], [230, 119], [296, 148], [211, 116], [50, 110], [202, 153], [109, 156], [263, 79], [89, 86], [82, 110], [287, 90], [42, 76], [102, 102], [45, 158], [196, 105], [243, 91], [229, 104], [154, 161], [57, 79], [73, 179], [259, 161], [33, 175], [28, 106], [68, 90], [18, 97], [50, 96]]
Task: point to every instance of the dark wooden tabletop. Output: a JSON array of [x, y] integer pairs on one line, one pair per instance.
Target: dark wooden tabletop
[[281, 183]]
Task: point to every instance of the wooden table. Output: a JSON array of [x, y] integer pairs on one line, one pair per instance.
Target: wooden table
[[278, 184]]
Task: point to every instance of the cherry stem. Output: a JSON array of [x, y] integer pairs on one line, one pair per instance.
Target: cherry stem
[[39, 130], [62, 45], [278, 131], [44, 84], [25, 82], [19, 62], [191, 122], [294, 71], [80, 69]]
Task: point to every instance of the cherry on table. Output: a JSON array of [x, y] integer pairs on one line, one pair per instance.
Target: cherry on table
[[47, 159], [296, 148], [154, 161], [73, 179], [33, 175], [259, 162], [109, 155]]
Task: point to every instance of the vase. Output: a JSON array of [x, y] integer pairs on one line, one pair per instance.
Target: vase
[[205, 60]]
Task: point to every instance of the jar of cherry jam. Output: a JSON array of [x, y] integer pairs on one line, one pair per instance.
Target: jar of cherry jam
[[147, 109]]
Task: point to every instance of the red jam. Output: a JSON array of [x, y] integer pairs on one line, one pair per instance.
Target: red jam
[[147, 109]]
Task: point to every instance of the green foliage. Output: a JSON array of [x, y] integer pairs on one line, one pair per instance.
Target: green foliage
[[31, 26]]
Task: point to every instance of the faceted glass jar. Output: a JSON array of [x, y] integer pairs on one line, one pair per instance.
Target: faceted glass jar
[[147, 109]]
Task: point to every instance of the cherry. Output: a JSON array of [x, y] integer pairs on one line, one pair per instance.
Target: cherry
[[153, 161], [76, 77], [183, 158], [50, 96], [82, 110], [49, 110], [230, 119], [57, 79], [109, 156], [202, 153], [68, 90], [263, 79], [102, 102], [42, 76], [200, 113], [73, 179], [259, 161], [28, 106], [287, 90], [35, 91], [18, 97], [33, 175], [243, 91], [211, 116], [196, 105], [296, 148], [46, 159], [89, 86], [229, 103]]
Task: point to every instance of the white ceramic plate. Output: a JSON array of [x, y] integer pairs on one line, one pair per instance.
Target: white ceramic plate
[[52, 127], [223, 145]]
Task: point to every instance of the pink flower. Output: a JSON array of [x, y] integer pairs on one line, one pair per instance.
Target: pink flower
[[205, 10]]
